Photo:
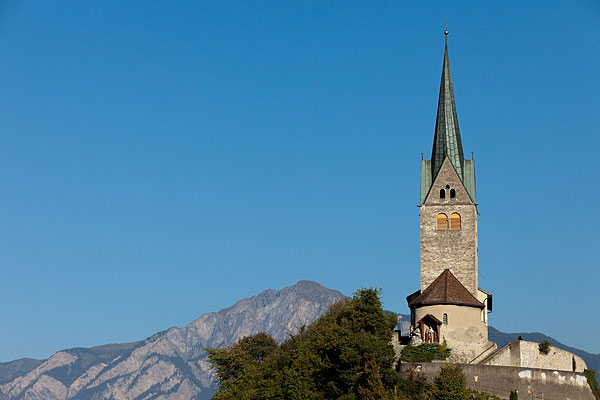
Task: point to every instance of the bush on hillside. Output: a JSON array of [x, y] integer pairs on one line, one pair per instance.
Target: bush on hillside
[[451, 383], [590, 374], [544, 347], [425, 352], [475, 395]]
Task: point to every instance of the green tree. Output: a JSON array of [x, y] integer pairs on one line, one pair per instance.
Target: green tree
[[590, 374], [451, 383], [370, 386], [514, 395], [345, 354], [425, 352], [238, 366]]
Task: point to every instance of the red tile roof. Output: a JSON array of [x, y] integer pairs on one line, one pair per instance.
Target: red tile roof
[[446, 289]]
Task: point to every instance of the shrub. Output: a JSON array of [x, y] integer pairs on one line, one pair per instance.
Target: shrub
[[544, 347], [514, 395], [451, 383], [590, 374], [475, 395], [425, 352]]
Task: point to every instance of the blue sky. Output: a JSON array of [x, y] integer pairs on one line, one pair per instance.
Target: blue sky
[[160, 160]]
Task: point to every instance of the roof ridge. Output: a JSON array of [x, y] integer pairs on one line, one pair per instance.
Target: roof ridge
[[446, 283], [446, 289]]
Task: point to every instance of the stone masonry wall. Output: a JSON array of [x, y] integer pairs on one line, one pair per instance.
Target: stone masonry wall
[[455, 250], [531, 383], [521, 353]]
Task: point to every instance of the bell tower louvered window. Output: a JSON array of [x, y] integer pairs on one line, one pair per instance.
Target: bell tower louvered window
[[441, 222], [454, 222]]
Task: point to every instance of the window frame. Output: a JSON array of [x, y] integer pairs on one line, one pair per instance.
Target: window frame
[[438, 218], [453, 227]]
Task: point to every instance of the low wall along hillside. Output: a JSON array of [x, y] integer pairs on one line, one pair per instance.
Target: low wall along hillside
[[521, 353], [531, 383]]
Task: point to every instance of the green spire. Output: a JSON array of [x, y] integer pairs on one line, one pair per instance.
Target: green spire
[[446, 141]]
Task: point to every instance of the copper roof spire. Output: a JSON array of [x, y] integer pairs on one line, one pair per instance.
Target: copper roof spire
[[446, 141]]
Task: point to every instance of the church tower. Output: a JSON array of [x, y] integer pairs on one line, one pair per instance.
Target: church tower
[[449, 305], [448, 204]]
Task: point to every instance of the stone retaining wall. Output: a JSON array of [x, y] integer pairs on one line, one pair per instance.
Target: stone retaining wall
[[531, 383], [521, 353]]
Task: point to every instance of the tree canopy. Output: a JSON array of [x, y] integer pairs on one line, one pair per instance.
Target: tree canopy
[[346, 354]]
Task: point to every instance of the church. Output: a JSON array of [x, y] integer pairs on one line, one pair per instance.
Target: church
[[449, 306]]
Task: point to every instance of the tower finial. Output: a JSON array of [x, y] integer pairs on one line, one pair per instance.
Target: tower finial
[[446, 32]]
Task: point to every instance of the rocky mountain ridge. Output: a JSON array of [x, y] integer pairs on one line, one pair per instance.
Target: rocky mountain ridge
[[169, 364]]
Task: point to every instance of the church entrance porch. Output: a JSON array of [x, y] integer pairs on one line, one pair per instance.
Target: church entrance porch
[[430, 329]]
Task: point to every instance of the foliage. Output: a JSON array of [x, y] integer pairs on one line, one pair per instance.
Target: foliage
[[451, 383], [425, 352], [514, 395], [416, 387], [237, 366], [590, 374], [346, 354], [475, 395], [544, 347]]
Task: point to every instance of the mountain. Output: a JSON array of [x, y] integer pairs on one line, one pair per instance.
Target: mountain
[[13, 369], [170, 364]]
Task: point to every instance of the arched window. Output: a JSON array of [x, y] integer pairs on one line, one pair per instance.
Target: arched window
[[452, 193], [442, 194], [445, 319], [441, 222], [454, 222]]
